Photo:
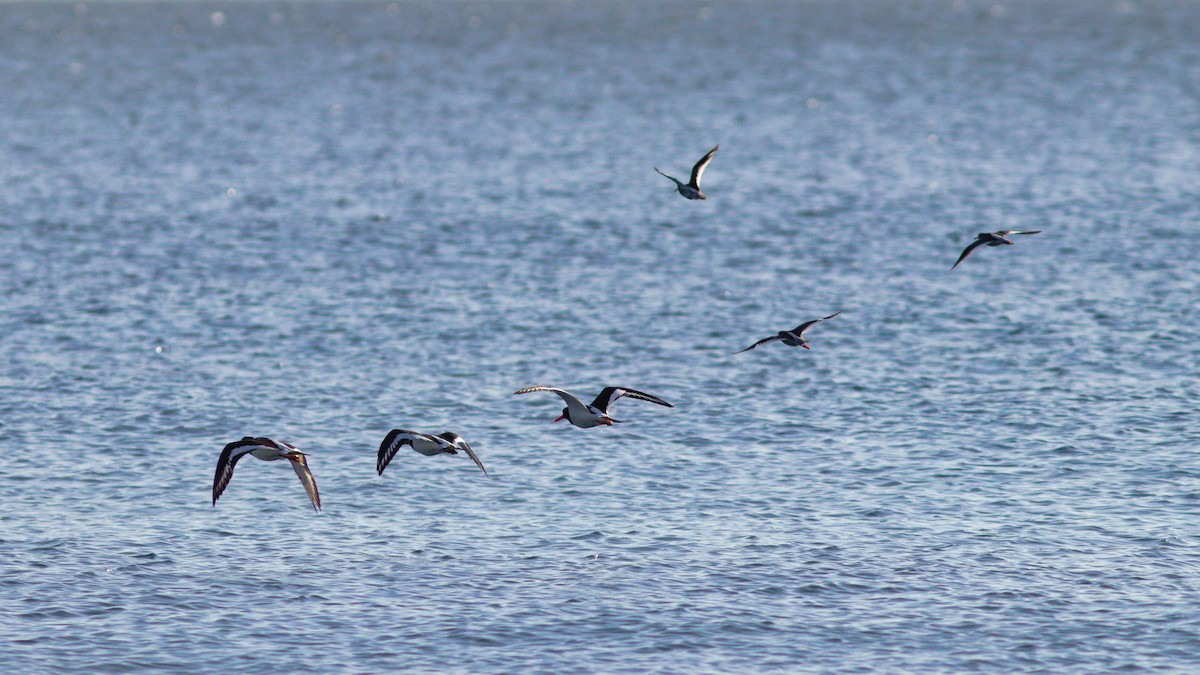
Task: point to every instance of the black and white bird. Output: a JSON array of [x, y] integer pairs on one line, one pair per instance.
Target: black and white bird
[[267, 450], [791, 338], [596, 414], [999, 238], [691, 189], [447, 443]]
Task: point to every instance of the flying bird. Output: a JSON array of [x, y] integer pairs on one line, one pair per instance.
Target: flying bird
[[596, 414], [267, 450], [991, 239], [691, 190], [791, 338], [447, 443]]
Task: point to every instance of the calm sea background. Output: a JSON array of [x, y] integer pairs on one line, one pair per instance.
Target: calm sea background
[[320, 221]]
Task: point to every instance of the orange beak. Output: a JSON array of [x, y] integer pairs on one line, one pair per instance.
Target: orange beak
[[806, 346], [558, 419]]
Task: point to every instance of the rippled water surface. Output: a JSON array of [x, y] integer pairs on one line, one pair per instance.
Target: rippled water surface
[[320, 221]]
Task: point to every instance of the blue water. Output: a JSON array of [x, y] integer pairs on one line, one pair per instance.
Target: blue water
[[320, 221]]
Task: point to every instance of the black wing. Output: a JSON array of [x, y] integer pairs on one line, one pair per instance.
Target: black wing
[[677, 183], [610, 395], [967, 251], [395, 439], [799, 330], [761, 342], [698, 170], [460, 442], [230, 455]]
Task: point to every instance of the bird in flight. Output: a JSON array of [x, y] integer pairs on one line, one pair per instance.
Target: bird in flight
[[596, 414], [691, 189], [791, 338], [448, 443], [999, 238], [269, 451]]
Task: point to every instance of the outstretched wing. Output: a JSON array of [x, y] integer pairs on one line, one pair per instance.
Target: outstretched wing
[[230, 455], [1005, 233], [677, 183], [799, 330], [967, 251], [578, 410], [461, 443], [300, 466], [610, 395], [395, 439], [760, 342], [698, 169], [566, 395]]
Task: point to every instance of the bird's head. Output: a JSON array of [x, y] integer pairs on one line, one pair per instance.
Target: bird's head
[[564, 416]]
